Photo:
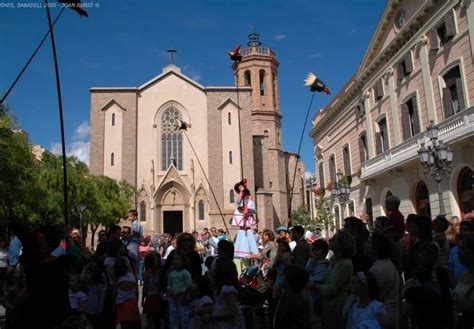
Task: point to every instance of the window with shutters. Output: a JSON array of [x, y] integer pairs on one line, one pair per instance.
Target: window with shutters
[[381, 137], [337, 218], [351, 207], [247, 79], [346, 156], [332, 168], [261, 75], [321, 174], [201, 210], [444, 32], [363, 148], [405, 66], [171, 139], [378, 90], [453, 92], [410, 120], [359, 110]]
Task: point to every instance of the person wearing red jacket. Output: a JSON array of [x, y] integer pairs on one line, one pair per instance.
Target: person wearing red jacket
[[396, 218]]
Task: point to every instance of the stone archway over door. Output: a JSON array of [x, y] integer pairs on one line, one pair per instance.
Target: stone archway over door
[[422, 199], [465, 189]]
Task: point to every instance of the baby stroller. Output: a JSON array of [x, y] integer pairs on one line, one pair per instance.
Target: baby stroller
[[253, 294]]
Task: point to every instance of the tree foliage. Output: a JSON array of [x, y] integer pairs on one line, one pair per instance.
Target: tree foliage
[[324, 215], [33, 189]]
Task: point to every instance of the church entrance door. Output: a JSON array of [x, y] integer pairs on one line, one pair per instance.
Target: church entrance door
[[172, 222]]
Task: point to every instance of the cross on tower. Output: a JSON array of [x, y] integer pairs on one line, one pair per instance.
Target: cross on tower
[[172, 52]]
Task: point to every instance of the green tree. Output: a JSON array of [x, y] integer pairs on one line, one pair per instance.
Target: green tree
[[107, 202], [324, 215], [302, 216], [18, 170]]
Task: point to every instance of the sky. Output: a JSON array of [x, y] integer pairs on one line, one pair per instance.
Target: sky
[[123, 43]]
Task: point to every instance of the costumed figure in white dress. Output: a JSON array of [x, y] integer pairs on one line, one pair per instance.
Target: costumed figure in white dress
[[244, 219]]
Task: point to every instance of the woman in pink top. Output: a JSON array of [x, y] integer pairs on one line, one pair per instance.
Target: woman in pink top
[[144, 249]]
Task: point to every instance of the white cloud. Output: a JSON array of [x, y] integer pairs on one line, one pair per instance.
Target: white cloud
[[196, 77], [79, 146], [316, 55], [82, 132], [279, 37]]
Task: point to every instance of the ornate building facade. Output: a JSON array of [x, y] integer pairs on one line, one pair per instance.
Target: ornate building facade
[[418, 69], [135, 136]]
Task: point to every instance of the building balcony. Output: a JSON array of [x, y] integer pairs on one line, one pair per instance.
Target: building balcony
[[259, 51], [456, 128]]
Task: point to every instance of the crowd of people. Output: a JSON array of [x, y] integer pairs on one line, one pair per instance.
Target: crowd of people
[[411, 272]]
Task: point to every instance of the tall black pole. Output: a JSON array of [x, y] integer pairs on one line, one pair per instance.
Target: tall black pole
[[61, 116], [207, 180], [298, 155], [30, 59], [240, 128]]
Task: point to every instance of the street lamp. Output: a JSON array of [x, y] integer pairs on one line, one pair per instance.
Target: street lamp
[[309, 186], [436, 158], [81, 208], [342, 191]]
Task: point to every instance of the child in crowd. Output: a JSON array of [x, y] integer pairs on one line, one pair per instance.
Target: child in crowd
[[179, 285], [77, 301], [293, 311], [77, 298], [151, 297], [316, 267], [202, 302], [282, 260], [126, 299], [364, 310], [95, 284]]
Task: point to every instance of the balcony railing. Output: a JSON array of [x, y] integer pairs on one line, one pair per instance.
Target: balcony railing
[[257, 51], [455, 128]]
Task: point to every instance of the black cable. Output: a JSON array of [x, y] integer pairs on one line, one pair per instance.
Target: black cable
[[205, 176], [298, 154], [30, 59]]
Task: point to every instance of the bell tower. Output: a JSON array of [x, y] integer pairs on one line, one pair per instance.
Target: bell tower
[[258, 69]]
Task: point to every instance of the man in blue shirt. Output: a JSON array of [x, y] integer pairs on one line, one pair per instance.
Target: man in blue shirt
[[136, 228], [14, 251]]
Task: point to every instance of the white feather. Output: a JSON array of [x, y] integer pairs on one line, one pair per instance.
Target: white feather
[[310, 78]]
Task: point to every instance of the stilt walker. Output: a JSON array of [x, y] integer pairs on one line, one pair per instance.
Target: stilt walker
[[244, 220]]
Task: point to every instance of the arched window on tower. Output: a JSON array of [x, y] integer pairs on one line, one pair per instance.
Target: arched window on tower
[[112, 159], [171, 139], [229, 118], [247, 79], [230, 157], [143, 211], [113, 119], [274, 89], [261, 75], [201, 210]]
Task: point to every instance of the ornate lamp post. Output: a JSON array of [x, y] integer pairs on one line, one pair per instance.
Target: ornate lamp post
[[310, 188], [342, 191], [436, 159]]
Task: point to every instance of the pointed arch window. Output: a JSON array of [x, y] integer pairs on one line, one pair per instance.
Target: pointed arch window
[[261, 75], [231, 196], [113, 119], [230, 157], [229, 118], [247, 79], [201, 210], [112, 159], [143, 211], [171, 139]]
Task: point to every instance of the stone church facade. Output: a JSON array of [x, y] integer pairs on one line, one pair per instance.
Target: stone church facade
[[135, 137]]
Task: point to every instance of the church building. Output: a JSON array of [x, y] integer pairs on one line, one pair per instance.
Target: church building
[[136, 135]]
